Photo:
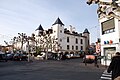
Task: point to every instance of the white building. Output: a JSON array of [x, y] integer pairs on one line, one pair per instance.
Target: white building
[[68, 40], [109, 32], [57, 39]]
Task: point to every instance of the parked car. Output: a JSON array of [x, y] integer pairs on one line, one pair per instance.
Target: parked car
[[68, 56], [20, 57], [89, 58], [41, 55], [3, 57], [24, 57], [10, 56]]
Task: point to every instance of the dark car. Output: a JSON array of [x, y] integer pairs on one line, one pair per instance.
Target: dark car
[[10, 56], [20, 57], [3, 57], [24, 57]]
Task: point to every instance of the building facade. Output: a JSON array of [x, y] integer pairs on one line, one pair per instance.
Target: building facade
[[109, 31], [63, 40], [56, 39]]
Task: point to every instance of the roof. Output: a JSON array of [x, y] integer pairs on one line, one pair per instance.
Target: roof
[[58, 21], [40, 28], [86, 31]]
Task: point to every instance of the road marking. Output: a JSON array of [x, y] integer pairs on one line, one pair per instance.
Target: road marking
[[102, 78], [105, 76]]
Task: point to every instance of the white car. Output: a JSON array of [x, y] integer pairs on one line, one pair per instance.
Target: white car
[[41, 55]]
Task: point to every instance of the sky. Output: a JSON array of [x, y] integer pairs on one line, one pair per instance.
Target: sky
[[24, 16]]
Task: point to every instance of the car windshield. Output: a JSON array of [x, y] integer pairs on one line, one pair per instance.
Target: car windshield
[[16, 54], [8, 54], [23, 55]]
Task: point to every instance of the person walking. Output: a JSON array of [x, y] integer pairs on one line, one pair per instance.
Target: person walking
[[115, 67], [96, 61]]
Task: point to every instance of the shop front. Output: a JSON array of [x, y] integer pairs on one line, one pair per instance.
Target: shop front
[[108, 53]]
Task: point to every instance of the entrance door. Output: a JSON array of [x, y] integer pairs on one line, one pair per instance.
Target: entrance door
[[109, 52]]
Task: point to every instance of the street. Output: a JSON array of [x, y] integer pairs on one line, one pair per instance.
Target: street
[[72, 69]]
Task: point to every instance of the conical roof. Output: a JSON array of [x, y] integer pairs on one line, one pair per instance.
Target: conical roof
[[86, 31], [40, 28], [58, 21]]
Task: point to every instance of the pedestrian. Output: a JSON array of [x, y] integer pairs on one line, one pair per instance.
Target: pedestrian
[[96, 60], [115, 67]]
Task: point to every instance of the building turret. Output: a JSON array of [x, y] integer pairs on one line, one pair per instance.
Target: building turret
[[87, 39], [58, 28], [39, 29], [58, 21]]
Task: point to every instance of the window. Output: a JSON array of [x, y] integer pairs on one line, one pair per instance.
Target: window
[[81, 41], [108, 31], [76, 41], [108, 26], [112, 30], [60, 40], [60, 31], [109, 52], [67, 39], [60, 47], [81, 47], [88, 41], [72, 47], [68, 47], [76, 47]]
